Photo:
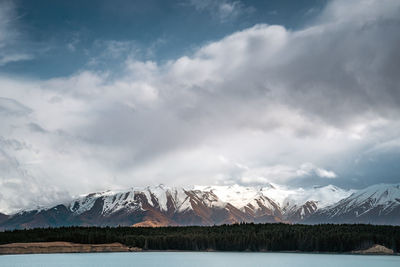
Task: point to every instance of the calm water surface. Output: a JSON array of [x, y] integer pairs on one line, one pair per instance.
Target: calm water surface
[[199, 259]]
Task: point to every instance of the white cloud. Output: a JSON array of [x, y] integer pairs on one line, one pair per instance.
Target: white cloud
[[5, 59], [263, 104], [6, 20], [309, 169], [9, 35], [281, 174], [224, 10]]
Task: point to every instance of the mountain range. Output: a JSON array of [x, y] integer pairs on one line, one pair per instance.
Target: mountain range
[[208, 205]]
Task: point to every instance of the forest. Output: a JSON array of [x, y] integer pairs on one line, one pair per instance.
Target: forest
[[236, 237]]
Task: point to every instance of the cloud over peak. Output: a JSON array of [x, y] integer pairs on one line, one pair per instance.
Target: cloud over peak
[[262, 104]]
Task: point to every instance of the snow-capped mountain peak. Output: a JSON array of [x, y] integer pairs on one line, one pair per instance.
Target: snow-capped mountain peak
[[365, 205], [273, 197], [161, 205], [380, 194]]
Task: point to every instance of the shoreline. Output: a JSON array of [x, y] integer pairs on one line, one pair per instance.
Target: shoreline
[[69, 247], [60, 247]]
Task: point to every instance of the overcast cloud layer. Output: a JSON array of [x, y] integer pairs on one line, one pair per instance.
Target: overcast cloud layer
[[318, 105]]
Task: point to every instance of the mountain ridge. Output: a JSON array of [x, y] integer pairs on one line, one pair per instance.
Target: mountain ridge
[[378, 204], [208, 205]]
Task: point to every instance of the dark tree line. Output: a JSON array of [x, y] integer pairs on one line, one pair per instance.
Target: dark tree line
[[237, 237]]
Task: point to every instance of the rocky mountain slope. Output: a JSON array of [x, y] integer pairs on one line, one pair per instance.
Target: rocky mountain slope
[[377, 204], [208, 205]]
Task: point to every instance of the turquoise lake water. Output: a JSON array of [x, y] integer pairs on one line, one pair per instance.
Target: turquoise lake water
[[198, 259]]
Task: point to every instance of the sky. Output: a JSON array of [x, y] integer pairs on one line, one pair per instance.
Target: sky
[[98, 95]]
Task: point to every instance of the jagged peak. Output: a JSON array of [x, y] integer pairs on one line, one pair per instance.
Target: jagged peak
[[233, 203], [384, 197], [381, 193], [272, 195]]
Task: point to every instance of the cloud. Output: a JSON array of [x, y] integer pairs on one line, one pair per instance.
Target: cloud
[[309, 169], [11, 107], [224, 10], [9, 35], [5, 59], [282, 174], [7, 14], [273, 104]]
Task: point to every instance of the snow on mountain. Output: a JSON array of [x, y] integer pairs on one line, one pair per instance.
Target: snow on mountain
[[236, 195], [322, 196], [378, 204], [271, 196], [207, 205], [86, 203], [284, 197], [113, 201], [293, 205], [386, 196]]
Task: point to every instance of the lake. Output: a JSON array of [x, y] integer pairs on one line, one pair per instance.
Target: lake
[[198, 259]]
